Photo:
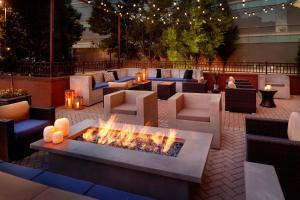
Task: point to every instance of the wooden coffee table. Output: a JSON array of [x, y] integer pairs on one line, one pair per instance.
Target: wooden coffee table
[[267, 98], [165, 90]]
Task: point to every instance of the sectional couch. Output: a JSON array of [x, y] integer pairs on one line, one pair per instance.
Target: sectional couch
[[90, 85]]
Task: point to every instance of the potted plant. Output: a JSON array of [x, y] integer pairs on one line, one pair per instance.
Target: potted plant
[[9, 96]]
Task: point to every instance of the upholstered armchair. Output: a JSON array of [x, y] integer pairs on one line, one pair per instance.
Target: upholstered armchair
[[196, 112], [131, 106], [21, 125], [279, 82], [268, 143]]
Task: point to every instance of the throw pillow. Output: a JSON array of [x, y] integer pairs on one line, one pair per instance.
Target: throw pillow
[[166, 73], [231, 85], [108, 76], [231, 79], [15, 111], [294, 126], [93, 82], [118, 85], [158, 73], [201, 80], [115, 74], [188, 74]]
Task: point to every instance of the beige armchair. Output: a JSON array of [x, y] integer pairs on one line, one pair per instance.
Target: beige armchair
[[134, 107], [196, 112]]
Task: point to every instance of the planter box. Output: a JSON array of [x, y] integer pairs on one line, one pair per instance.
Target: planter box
[[15, 100]]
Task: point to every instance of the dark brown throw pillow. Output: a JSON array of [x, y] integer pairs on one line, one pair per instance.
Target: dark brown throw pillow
[[115, 74], [158, 73], [188, 74], [93, 82]]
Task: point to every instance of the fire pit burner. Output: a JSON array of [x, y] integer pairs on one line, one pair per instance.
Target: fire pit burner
[[128, 139]]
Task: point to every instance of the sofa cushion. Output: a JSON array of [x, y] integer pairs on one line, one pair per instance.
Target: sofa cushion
[[106, 193], [188, 74], [115, 73], [108, 76], [166, 73], [201, 115], [126, 78], [63, 182], [231, 85], [20, 171], [158, 73], [29, 126], [16, 111], [118, 84], [294, 126], [101, 85], [127, 109]]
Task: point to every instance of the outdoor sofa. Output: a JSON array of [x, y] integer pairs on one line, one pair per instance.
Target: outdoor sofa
[[19, 182], [268, 143], [195, 87], [20, 125]]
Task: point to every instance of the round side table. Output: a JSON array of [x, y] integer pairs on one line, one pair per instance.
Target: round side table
[[268, 98]]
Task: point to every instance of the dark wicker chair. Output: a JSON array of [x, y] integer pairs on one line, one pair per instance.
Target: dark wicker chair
[[241, 100], [194, 87], [268, 143], [16, 137]]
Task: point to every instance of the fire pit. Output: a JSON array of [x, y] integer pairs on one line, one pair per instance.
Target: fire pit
[[144, 160], [128, 138]]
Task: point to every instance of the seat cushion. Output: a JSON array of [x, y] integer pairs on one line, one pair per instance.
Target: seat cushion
[[125, 78], [20, 171], [63, 182], [127, 109], [30, 126], [201, 115], [106, 193], [100, 85]]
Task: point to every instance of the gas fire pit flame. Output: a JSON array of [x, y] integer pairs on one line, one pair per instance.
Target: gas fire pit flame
[[128, 138]]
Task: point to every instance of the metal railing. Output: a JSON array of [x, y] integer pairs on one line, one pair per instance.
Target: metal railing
[[70, 68]]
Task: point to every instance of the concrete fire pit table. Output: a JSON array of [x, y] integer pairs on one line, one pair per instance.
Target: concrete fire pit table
[[149, 174]]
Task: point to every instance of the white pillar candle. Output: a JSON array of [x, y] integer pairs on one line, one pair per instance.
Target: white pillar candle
[[57, 137], [63, 125], [48, 132]]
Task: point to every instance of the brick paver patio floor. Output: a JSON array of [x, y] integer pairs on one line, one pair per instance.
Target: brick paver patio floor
[[223, 175]]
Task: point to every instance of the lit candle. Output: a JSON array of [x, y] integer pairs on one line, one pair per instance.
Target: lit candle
[[77, 105], [268, 87], [57, 137], [139, 79], [48, 133], [144, 76], [69, 102], [62, 125]]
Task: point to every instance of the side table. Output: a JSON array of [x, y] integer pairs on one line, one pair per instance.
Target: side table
[[165, 90], [267, 98]]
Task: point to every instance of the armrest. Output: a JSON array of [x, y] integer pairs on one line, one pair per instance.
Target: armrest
[[81, 83], [266, 127], [176, 102], [115, 99], [147, 107], [272, 150], [6, 138], [43, 113]]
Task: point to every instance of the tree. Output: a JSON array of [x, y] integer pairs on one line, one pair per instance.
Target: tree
[[27, 30]]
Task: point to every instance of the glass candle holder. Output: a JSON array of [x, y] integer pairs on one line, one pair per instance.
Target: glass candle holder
[[78, 101], [69, 98]]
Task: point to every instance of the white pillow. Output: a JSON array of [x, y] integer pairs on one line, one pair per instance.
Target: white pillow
[[118, 85], [109, 76], [231, 85], [231, 79], [294, 126], [166, 73]]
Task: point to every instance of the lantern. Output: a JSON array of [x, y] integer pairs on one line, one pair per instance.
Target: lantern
[[78, 101], [69, 98], [144, 75], [138, 77], [268, 87]]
